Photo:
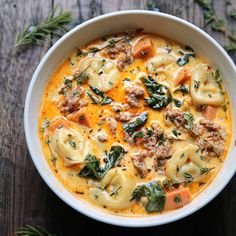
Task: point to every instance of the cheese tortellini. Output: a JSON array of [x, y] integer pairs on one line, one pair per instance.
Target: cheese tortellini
[[70, 145], [204, 88], [187, 160], [161, 59], [102, 73], [115, 189]]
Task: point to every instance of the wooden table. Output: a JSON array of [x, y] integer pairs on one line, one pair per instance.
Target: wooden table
[[24, 197]]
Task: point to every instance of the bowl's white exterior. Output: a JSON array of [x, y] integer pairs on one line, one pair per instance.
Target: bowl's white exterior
[[159, 23]]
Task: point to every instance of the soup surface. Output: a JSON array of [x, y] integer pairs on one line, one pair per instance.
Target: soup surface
[[135, 124]]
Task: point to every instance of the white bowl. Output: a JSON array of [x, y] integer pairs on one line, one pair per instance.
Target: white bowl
[[158, 23]]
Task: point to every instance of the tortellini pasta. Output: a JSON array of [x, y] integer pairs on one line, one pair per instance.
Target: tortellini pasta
[[161, 59], [187, 160], [70, 145], [204, 88], [115, 189], [102, 73]]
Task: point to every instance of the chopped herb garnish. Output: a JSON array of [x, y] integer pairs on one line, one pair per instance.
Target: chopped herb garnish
[[176, 133], [72, 143], [189, 118], [177, 199], [115, 192], [182, 155], [46, 123], [205, 170], [218, 80], [196, 84], [167, 184], [126, 79]]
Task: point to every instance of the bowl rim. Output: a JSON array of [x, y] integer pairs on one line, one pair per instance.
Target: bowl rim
[[27, 110]]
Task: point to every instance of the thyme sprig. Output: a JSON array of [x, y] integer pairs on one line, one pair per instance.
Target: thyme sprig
[[33, 231], [55, 23]]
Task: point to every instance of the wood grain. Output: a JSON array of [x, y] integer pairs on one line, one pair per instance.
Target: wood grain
[[24, 197]]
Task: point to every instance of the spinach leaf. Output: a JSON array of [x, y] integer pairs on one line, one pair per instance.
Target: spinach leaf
[[159, 94], [103, 100], [92, 167], [140, 120], [139, 134], [94, 170], [184, 59], [97, 91], [94, 99], [154, 193]]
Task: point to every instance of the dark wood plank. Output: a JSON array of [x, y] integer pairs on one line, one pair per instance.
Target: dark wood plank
[[20, 185], [24, 197]]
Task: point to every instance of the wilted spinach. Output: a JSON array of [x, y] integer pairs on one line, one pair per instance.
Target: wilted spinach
[[154, 193], [102, 99], [93, 168], [140, 120], [159, 94], [184, 59]]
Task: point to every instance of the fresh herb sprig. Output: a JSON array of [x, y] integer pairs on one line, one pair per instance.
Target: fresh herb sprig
[[33, 231], [55, 23]]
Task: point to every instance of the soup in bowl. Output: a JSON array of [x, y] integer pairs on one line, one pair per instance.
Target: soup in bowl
[[134, 124]]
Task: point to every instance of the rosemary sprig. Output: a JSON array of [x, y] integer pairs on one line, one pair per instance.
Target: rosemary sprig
[[55, 23], [33, 231]]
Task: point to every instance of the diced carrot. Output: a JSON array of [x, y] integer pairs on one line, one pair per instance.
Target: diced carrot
[[183, 75], [143, 48], [177, 198], [57, 122], [80, 117], [209, 112]]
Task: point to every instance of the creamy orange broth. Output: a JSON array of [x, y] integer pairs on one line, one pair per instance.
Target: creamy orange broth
[[68, 174]]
